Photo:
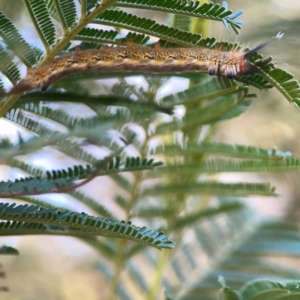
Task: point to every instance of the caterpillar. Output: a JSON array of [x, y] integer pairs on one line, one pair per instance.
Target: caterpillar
[[141, 59]]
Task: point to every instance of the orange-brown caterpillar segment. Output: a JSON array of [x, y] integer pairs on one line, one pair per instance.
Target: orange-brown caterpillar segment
[[140, 59]]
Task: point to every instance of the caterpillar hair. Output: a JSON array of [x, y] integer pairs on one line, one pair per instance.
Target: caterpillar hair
[[263, 45]]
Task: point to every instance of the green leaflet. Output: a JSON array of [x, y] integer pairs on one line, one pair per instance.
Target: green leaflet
[[107, 100], [243, 265], [208, 89], [96, 35], [100, 122], [98, 208], [2, 90], [147, 26], [271, 289], [256, 80], [228, 165], [60, 181], [212, 111], [30, 123], [91, 4], [8, 67], [53, 182], [239, 189], [66, 12], [192, 8], [281, 79], [15, 41], [41, 19], [198, 216], [233, 150], [82, 221]]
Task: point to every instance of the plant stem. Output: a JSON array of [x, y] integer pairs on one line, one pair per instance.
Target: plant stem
[[201, 25], [120, 261], [119, 268], [156, 282], [83, 10]]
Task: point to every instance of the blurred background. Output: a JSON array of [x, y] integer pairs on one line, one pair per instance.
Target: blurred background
[[53, 268]]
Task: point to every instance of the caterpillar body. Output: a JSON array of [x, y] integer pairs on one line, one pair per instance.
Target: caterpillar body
[[140, 59]]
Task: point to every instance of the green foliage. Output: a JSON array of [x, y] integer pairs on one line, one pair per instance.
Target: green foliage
[[8, 67], [157, 152], [60, 181], [281, 79], [267, 289], [12, 38], [67, 13], [239, 151], [43, 23], [146, 26], [85, 224], [209, 11], [246, 261]]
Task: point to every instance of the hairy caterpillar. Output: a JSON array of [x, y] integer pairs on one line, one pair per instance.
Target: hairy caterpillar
[[141, 59]]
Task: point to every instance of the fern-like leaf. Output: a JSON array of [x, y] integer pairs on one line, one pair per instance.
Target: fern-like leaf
[[90, 4], [8, 67], [238, 151], [228, 165], [210, 89], [256, 80], [212, 188], [61, 181], [2, 89], [198, 216], [82, 221], [215, 110], [109, 100], [246, 262], [278, 78], [209, 11], [15, 42], [94, 36], [282, 80], [55, 181], [147, 26], [41, 19], [66, 11], [95, 206], [257, 288]]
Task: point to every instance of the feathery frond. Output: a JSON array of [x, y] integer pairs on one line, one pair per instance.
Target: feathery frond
[[8, 67], [41, 19], [15, 41], [67, 13], [92, 225], [209, 11]]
